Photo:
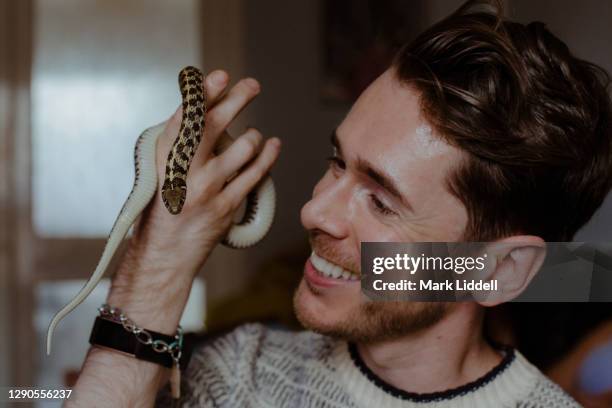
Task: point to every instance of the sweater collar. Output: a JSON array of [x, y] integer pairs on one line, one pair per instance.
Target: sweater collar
[[506, 384], [509, 356]]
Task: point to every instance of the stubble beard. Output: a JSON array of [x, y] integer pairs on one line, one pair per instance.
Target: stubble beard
[[373, 322]]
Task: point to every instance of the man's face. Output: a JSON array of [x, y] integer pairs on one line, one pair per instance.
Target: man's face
[[386, 182]]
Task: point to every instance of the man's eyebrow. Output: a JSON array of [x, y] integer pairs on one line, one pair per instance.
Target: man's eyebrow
[[378, 176]]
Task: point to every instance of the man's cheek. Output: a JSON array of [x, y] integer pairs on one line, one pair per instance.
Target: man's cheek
[[370, 229]]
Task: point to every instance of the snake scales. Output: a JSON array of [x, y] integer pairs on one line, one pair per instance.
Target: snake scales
[[260, 203]]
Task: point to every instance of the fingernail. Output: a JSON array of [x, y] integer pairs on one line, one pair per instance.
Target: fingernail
[[218, 77], [252, 83], [275, 142]]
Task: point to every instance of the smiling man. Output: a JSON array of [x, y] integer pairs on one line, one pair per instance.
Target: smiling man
[[481, 130], [386, 182]]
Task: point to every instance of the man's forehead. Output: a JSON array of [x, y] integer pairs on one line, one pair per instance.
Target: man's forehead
[[387, 121]]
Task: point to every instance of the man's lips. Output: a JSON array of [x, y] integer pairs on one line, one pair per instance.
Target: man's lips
[[317, 279]]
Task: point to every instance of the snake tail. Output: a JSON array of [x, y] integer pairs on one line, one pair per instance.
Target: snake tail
[[260, 203], [145, 186]]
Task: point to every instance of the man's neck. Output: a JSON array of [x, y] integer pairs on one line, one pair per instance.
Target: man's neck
[[447, 355]]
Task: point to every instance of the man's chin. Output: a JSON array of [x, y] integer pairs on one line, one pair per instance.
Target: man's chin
[[364, 323], [314, 314]]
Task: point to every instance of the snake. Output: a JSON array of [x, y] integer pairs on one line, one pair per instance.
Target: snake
[[259, 204]]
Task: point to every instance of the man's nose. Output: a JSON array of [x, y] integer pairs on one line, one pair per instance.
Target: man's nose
[[328, 209]]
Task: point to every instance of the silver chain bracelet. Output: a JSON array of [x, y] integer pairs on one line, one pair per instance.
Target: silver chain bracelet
[[143, 336]]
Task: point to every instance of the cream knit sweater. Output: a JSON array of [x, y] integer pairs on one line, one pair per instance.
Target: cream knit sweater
[[255, 366]]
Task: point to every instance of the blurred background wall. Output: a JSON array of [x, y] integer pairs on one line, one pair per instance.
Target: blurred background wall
[[80, 79]]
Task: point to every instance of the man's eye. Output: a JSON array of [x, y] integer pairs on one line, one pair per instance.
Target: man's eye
[[336, 163], [380, 207]]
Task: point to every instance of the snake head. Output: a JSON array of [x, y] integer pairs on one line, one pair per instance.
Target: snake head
[[173, 196]]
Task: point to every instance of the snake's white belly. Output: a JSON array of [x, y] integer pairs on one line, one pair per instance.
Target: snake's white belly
[[145, 186]]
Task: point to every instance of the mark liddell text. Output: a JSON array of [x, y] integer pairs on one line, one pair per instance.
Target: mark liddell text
[[434, 286]]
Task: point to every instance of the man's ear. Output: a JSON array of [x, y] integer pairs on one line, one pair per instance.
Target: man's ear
[[513, 262]]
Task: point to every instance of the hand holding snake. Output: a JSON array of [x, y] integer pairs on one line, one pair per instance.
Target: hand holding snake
[[204, 178]]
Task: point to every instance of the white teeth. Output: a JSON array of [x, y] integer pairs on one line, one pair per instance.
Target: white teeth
[[330, 270]]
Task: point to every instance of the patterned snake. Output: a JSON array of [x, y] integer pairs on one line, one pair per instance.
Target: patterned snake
[[260, 203]]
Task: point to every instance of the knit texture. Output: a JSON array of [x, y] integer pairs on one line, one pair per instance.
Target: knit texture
[[255, 366]]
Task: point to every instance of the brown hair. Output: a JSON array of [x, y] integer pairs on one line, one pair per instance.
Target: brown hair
[[534, 120]]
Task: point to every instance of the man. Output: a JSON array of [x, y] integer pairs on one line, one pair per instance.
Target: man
[[479, 131]]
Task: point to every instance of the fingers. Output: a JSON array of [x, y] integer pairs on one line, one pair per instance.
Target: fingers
[[221, 110], [215, 173], [214, 85], [218, 117], [230, 106], [243, 150], [237, 189]]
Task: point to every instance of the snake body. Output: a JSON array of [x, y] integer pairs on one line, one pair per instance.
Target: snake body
[[174, 189], [260, 203]]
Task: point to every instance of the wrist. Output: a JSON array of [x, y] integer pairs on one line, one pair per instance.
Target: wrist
[[160, 260], [156, 246], [135, 382], [155, 298]]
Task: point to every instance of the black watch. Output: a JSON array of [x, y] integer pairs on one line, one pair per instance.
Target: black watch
[[112, 335]]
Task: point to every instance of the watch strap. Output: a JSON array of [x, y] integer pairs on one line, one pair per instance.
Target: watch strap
[[111, 334]]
